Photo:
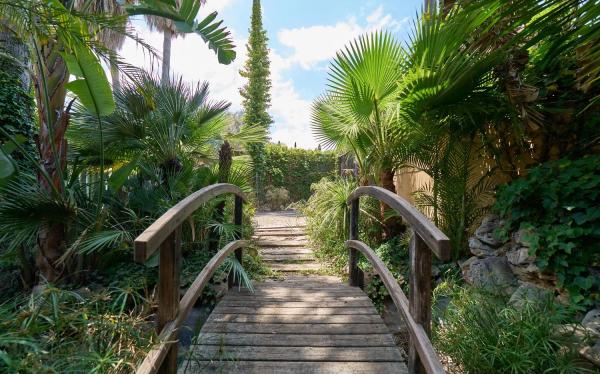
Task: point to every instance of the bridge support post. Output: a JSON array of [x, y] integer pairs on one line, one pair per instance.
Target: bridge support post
[[355, 276], [237, 220], [419, 295], [168, 292]]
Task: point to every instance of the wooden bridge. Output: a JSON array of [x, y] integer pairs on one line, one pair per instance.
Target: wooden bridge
[[301, 323]]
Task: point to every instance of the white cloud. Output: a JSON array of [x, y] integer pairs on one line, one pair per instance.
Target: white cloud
[[311, 48]]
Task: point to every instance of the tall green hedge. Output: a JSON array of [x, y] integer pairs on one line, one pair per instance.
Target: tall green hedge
[[296, 169]]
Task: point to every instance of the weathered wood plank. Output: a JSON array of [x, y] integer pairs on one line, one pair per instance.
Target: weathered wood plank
[[297, 340], [283, 257], [310, 310], [294, 318], [296, 328], [295, 304], [258, 353], [317, 300], [293, 367], [283, 250], [281, 243], [298, 267]]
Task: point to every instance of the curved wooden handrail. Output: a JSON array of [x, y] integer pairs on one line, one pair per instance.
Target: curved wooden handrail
[[431, 235], [421, 341], [168, 335], [150, 240]]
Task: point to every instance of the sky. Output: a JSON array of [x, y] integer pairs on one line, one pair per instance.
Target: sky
[[304, 36]]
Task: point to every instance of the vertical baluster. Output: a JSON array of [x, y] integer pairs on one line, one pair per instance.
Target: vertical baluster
[[237, 220], [419, 295], [356, 277], [168, 292]]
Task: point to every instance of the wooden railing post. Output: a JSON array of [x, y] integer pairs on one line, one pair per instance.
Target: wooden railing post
[[355, 276], [168, 292], [238, 211], [419, 295]]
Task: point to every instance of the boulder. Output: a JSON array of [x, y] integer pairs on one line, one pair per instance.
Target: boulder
[[529, 293], [480, 249], [592, 320], [519, 256], [518, 237], [493, 274], [485, 232]]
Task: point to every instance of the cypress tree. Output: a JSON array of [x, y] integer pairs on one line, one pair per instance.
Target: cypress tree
[[256, 93]]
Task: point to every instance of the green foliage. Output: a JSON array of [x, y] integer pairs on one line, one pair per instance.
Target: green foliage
[[277, 198], [256, 94], [59, 331], [482, 334], [16, 103], [557, 206], [296, 169]]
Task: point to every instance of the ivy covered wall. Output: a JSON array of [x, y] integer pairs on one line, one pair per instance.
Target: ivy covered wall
[[296, 169]]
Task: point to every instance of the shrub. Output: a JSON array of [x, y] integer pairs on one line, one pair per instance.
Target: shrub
[[557, 206], [296, 169], [483, 334], [277, 197]]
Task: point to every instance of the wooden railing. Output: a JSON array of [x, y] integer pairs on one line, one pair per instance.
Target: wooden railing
[[416, 309], [165, 235]]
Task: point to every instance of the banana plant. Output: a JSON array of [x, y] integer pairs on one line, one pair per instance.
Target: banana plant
[[217, 37]]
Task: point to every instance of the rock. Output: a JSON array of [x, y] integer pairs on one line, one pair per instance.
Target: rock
[[519, 256], [480, 249], [592, 353], [576, 334], [466, 265], [592, 320], [529, 293], [518, 237], [485, 232], [493, 274]]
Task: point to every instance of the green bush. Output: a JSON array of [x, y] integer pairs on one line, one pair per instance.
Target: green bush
[[277, 197], [557, 206], [482, 334], [296, 169]]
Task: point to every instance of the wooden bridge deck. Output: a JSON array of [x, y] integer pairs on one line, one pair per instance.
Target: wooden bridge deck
[[296, 323]]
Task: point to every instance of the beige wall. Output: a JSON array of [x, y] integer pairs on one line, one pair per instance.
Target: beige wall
[[409, 180]]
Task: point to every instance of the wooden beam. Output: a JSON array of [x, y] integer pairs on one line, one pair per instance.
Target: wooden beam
[[436, 240], [418, 335], [148, 242], [419, 295], [168, 291], [238, 211], [355, 276]]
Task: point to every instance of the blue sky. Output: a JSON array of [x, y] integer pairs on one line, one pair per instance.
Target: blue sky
[[303, 38]]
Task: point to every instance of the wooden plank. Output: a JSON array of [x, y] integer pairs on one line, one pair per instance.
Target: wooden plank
[[419, 295], [302, 257], [300, 292], [316, 300], [281, 243], [283, 250], [296, 340], [149, 241], [293, 367], [292, 318], [296, 328], [355, 276], [419, 338], [275, 310], [288, 227], [295, 267], [437, 241], [345, 354], [277, 234], [295, 304]]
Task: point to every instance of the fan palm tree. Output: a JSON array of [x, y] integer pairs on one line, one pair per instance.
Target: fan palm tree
[[357, 114]]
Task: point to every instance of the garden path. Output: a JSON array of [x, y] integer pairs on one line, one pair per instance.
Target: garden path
[[297, 322]]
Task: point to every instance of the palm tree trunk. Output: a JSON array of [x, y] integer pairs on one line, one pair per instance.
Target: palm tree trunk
[[114, 74], [393, 225], [225, 161], [51, 76], [166, 57]]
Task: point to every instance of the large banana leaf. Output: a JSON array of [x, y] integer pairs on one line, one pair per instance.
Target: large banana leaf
[[92, 86], [218, 38]]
